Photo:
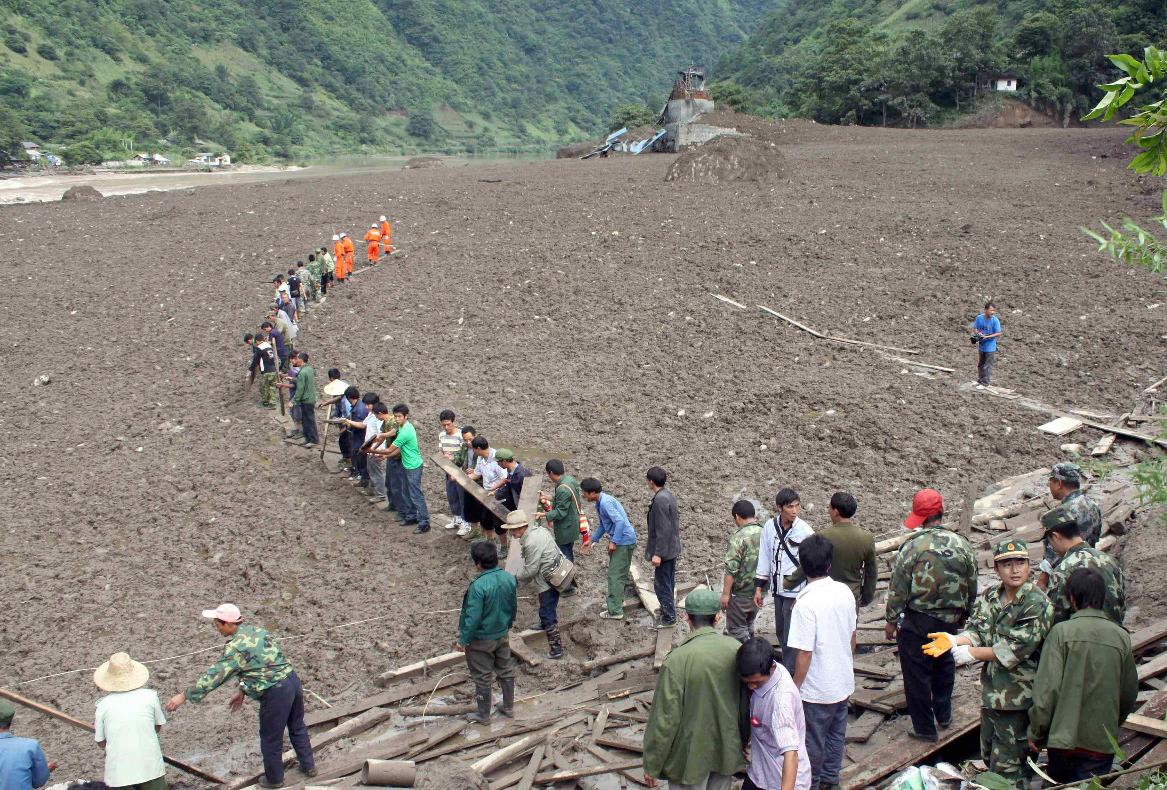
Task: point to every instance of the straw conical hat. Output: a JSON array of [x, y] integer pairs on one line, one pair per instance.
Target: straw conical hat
[[121, 673]]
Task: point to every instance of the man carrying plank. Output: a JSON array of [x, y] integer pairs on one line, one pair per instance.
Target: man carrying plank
[[488, 612]]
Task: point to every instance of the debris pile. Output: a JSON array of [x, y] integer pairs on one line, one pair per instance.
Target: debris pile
[[726, 159]]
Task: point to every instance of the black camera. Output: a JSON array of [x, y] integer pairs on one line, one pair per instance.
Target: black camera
[[974, 340]]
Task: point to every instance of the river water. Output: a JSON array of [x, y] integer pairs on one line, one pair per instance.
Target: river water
[[36, 188]]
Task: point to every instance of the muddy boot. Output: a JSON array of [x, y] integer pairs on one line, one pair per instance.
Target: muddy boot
[[555, 643], [482, 697], [507, 706]]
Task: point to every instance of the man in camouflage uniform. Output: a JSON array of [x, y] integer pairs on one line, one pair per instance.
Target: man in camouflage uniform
[[1065, 480], [933, 587], [309, 275], [1063, 533], [741, 562], [264, 675], [1006, 631]]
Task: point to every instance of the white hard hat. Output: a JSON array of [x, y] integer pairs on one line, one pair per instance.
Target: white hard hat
[[374, 226], [383, 219], [343, 234], [336, 238]]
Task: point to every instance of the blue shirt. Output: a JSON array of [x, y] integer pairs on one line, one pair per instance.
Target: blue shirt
[[613, 522], [22, 763], [987, 326]]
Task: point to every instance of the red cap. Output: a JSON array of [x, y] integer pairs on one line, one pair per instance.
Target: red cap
[[926, 503]]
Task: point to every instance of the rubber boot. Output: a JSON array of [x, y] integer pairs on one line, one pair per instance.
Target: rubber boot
[[555, 643], [507, 706], [482, 697]]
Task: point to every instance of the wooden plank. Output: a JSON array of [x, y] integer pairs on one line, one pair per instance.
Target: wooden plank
[[389, 697], [623, 744], [1103, 446], [1146, 724], [607, 757], [644, 591], [528, 777], [861, 730], [1156, 754], [1156, 666], [505, 755], [436, 710], [619, 658], [520, 649], [591, 770], [664, 645], [470, 486], [1060, 426], [906, 751], [440, 735], [422, 667], [601, 723], [835, 338], [1149, 635]]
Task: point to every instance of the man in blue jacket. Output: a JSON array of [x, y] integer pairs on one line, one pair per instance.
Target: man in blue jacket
[[621, 543], [22, 761], [488, 612], [987, 328]]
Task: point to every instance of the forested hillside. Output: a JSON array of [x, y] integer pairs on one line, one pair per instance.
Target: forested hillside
[[292, 78], [916, 62]]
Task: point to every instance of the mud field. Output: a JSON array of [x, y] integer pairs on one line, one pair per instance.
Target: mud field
[[564, 311]]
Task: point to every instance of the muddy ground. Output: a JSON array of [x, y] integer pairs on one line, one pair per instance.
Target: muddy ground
[[564, 310]]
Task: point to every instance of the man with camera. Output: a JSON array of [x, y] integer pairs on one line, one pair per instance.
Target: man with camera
[[986, 329]]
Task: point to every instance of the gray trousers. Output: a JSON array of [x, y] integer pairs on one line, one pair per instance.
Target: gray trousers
[[826, 733], [376, 465], [985, 360], [783, 608], [740, 616], [490, 658], [714, 781]]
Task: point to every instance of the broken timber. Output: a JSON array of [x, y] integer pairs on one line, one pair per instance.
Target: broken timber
[[422, 667], [664, 644], [469, 486], [834, 338], [646, 596], [389, 697]]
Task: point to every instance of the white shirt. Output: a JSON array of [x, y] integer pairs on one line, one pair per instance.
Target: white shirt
[[372, 428], [822, 622], [491, 473], [125, 720], [769, 544]]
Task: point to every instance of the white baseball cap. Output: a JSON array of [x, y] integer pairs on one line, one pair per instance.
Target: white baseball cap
[[227, 612]]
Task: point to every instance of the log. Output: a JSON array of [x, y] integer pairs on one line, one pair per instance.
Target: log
[[422, 667], [619, 658], [644, 593], [505, 755], [470, 486], [388, 697], [623, 744], [892, 544], [19, 699], [591, 770], [436, 710]]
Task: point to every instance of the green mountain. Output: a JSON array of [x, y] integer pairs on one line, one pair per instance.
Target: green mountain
[[917, 62], [292, 78]]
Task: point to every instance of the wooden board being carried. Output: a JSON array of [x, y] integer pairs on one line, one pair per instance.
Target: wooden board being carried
[[469, 486]]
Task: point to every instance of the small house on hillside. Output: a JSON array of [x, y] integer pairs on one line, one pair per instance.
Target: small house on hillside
[[31, 150], [1005, 83], [209, 159]]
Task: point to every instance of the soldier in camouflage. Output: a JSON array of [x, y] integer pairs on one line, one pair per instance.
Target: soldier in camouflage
[[1065, 480], [1006, 631], [1063, 533], [264, 675], [741, 562], [933, 587]]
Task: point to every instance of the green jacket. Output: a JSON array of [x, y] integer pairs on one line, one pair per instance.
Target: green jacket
[[1015, 631], [1086, 684], [253, 656], [853, 561], [934, 573], [488, 607], [305, 386], [563, 517], [698, 711], [741, 558], [1082, 556]]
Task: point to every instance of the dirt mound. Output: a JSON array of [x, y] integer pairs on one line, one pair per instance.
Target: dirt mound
[[1007, 114], [419, 162], [575, 150], [728, 159], [81, 193]]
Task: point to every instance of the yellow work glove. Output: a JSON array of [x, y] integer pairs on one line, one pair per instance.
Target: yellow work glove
[[941, 643]]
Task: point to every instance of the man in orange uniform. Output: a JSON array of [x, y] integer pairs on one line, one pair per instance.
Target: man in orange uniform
[[349, 251], [386, 236], [338, 255], [373, 237]]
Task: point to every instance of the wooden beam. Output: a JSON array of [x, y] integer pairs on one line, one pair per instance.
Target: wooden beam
[[436, 710], [861, 730], [19, 699], [727, 300], [422, 667], [834, 338], [528, 777], [619, 658], [903, 361], [591, 770], [1156, 666], [1146, 724], [643, 591], [470, 486], [607, 757], [664, 645], [512, 752], [1149, 635], [623, 744], [439, 735], [601, 723], [389, 697]]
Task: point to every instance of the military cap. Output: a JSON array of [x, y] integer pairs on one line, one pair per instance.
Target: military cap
[[7, 712], [1058, 517], [1011, 549], [1066, 472], [503, 454], [702, 601]]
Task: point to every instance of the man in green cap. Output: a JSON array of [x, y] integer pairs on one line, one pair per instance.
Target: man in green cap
[[1005, 632], [1063, 533], [1086, 685], [488, 612], [22, 761], [1065, 485], [694, 735]]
